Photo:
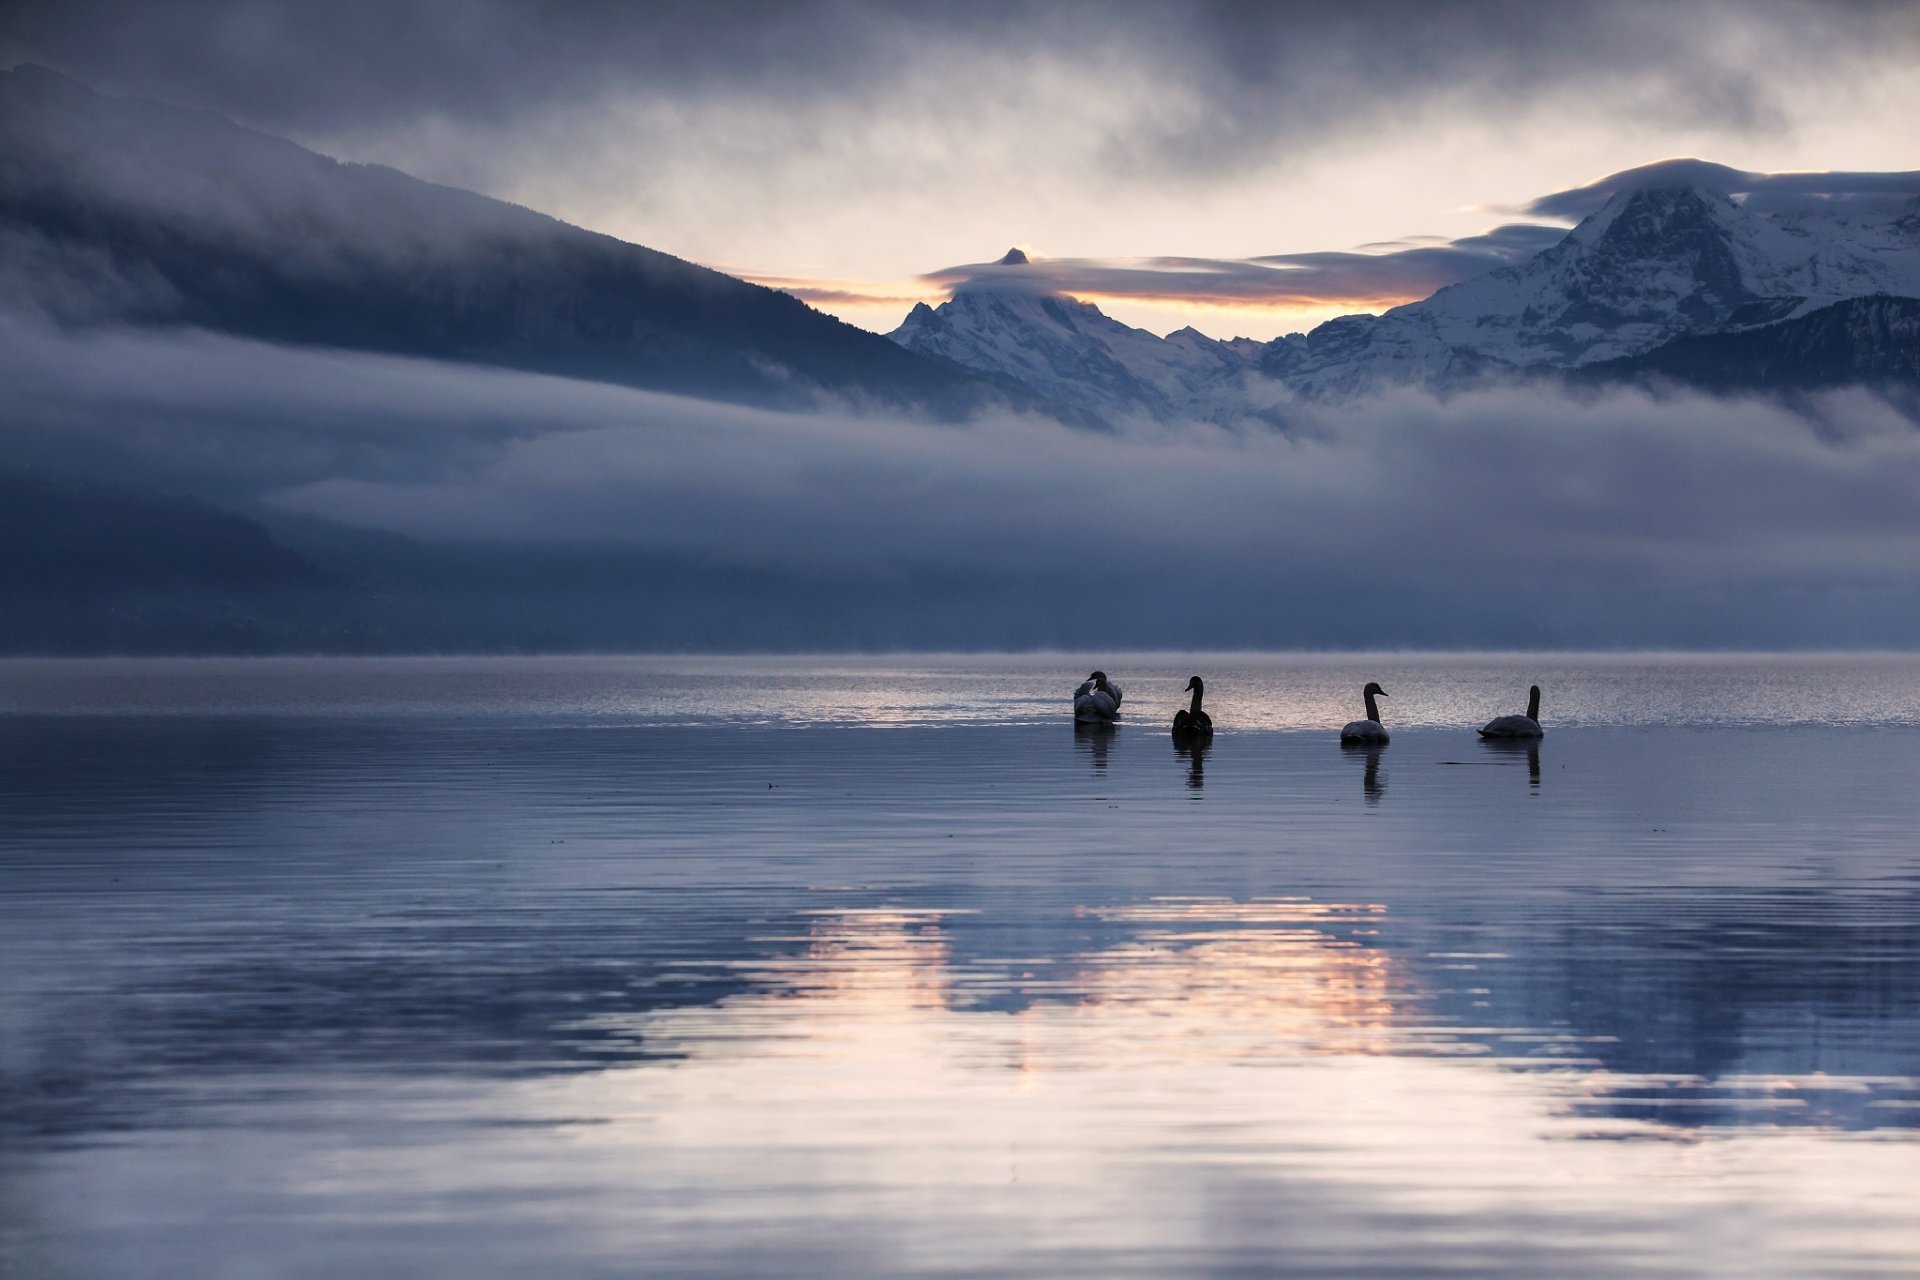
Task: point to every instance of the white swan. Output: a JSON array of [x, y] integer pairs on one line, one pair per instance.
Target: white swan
[[1526, 726], [1370, 731], [1096, 701]]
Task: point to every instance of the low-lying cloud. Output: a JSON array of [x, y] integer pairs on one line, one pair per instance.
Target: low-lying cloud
[[1520, 516]]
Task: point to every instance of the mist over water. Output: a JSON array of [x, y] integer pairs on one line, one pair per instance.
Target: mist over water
[[879, 967], [457, 509]]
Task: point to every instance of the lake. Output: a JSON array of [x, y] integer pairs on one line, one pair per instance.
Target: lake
[[879, 966]]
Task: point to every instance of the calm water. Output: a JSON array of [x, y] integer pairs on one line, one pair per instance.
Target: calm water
[[615, 967]]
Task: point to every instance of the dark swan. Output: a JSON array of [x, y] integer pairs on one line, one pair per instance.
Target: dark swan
[[1369, 731], [1193, 722], [1526, 726], [1096, 701]]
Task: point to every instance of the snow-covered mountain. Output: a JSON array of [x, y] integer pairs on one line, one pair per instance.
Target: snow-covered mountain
[[1654, 264], [1660, 261], [1072, 351]]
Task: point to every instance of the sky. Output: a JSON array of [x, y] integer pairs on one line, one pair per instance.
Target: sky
[[1246, 171], [1229, 166]]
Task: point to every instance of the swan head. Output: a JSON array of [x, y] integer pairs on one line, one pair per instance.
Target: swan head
[[1196, 684], [1373, 690], [1099, 679]]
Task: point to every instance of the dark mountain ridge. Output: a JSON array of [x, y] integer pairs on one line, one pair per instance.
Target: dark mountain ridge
[[88, 568], [121, 210], [1868, 341]]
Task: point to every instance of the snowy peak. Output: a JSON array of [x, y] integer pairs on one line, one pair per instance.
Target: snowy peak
[[1648, 213], [1073, 351], [1012, 258]]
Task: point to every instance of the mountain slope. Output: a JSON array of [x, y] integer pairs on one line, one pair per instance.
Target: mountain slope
[[91, 569], [118, 210], [1873, 340]]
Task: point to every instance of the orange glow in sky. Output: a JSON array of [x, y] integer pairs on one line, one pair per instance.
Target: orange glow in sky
[[880, 306]]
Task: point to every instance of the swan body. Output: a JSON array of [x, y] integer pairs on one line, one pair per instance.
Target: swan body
[[1096, 701], [1526, 726], [1368, 732], [1191, 721]]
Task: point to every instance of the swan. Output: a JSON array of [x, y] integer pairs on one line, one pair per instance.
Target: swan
[[1526, 726], [1193, 722], [1096, 701], [1370, 730]]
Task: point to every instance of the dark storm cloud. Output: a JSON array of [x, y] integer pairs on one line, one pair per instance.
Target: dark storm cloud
[[1393, 273], [1511, 516], [1771, 192], [1235, 81]]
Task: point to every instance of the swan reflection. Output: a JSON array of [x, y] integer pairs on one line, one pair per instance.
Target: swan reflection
[[1373, 783], [1096, 738], [1194, 752], [1515, 748]]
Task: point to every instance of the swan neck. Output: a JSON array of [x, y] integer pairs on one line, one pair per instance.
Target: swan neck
[[1373, 708], [1533, 704], [1195, 708]]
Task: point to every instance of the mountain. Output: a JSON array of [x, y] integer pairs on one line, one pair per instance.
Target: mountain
[[1664, 263], [118, 210], [1873, 340], [1655, 263], [1072, 351], [95, 569]]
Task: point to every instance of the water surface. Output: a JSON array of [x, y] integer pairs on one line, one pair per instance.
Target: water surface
[[609, 966]]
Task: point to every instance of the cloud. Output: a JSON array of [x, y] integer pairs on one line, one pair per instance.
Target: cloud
[[1231, 79], [1770, 192], [1522, 516], [1393, 274]]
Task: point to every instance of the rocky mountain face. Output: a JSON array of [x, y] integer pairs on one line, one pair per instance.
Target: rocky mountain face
[[1874, 340], [1657, 268], [120, 211]]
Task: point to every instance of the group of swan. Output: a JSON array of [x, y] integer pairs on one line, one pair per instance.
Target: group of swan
[[1371, 733], [1097, 701]]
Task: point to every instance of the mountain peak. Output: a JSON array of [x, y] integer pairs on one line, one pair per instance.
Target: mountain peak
[[1012, 258], [1653, 210]]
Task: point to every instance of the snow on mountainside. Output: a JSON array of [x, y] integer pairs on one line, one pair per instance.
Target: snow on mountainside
[[1660, 261], [1652, 265], [1072, 351]]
